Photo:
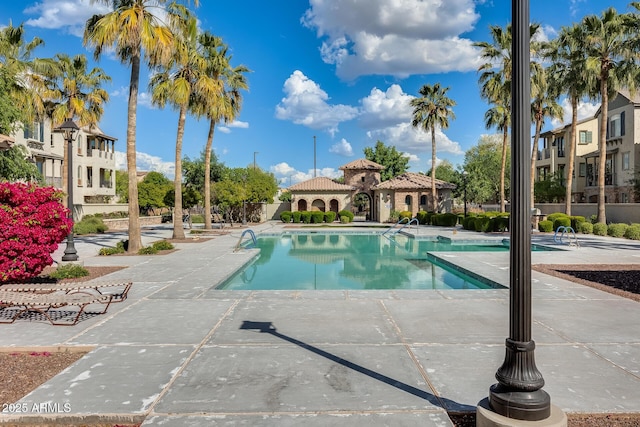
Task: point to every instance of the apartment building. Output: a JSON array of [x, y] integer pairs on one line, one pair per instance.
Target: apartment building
[[93, 162], [623, 152]]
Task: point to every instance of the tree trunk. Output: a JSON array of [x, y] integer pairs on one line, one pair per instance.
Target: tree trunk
[[602, 217], [135, 239], [571, 155], [434, 196], [503, 167], [178, 230], [534, 155], [207, 176]]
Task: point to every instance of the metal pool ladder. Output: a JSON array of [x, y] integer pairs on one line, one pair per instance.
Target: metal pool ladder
[[569, 232], [251, 234], [394, 230]]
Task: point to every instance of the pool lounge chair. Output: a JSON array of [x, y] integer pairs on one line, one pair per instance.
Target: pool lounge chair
[[119, 290], [47, 303]]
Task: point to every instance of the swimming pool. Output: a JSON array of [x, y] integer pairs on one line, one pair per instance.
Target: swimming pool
[[303, 261]]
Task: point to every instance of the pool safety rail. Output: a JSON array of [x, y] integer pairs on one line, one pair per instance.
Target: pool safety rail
[[400, 225], [245, 232], [572, 239]]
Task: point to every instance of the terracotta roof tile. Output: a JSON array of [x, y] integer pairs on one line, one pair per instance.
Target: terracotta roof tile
[[410, 181], [362, 164], [321, 183]]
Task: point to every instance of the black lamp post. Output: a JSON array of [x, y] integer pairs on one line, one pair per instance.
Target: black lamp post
[[464, 197], [518, 393], [69, 131]]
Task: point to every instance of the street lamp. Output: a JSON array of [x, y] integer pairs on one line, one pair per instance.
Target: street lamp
[[69, 131], [465, 175]]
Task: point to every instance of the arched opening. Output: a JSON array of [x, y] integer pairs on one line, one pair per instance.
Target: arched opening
[[333, 205], [362, 206], [302, 205], [408, 201], [317, 205]]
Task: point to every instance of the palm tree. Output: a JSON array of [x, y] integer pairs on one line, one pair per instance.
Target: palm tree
[[431, 110], [73, 92], [222, 108], [133, 30], [495, 86], [181, 82], [610, 59], [568, 75]]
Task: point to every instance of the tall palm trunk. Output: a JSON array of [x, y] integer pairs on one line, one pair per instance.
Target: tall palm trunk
[[178, 230], [571, 155], [434, 197], [135, 239], [207, 176], [602, 217], [534, 154], [503, 166]]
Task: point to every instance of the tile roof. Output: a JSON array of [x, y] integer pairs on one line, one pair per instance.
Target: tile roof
[[6, 142], [411, 181], [321, 183], [362, 164]]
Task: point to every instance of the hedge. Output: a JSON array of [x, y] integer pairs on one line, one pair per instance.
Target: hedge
[[561, 221], [617, 229], [585, 228], [317, 217], [306, 217], [600, 229], [329, 217], [633, 232], [285, 216], [296, 216], [545, 226], [423, 217], [346, 213]]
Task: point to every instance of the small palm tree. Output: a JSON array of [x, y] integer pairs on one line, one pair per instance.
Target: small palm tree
[[431, 110], [135, 32]]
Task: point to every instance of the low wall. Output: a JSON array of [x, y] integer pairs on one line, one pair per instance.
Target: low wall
[[99, 208], [616, 212], [123, 223]]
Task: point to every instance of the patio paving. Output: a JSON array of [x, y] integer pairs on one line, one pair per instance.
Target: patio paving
[[179, 352]]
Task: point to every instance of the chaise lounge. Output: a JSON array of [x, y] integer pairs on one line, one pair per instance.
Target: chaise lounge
[[119, 292]]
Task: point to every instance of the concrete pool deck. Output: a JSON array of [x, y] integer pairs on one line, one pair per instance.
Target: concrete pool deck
[[178, 352]]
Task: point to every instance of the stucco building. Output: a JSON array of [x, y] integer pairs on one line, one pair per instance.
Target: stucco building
[[364, 194]]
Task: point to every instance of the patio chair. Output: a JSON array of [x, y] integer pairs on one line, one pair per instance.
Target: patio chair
[[46, 303], [100, 288]]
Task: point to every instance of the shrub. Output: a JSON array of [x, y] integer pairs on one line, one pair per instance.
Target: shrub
[[633, 232], [500, 223], [585, 228], [406, 214], [148, 250], [344, 219], [197, 219], [561, 221], [467, 223], [423, 217], [545, 226], [90, 225], [393, 216], [69, 271], [552, 217], [305, 216], [32, 223], [317, 217], [329, 217], [576, 220], [617, 229], [593, 219], [482, 224], [600, 229], [121, 247], [445, 219], [285, 217], [163, 245], [296, 217], [346, 213]]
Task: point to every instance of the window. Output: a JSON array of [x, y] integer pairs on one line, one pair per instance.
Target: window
[[625, 161], [79, 176], [616, 126], [560, 143], [423, 199], [362, 179], [89, 176], [624, 197], [586, 137], [34, 131], [582, 170]]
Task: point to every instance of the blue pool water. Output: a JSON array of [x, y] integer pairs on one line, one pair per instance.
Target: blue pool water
[[354, 261]]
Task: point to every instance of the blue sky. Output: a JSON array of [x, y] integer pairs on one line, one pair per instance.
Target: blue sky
[[340, 70]]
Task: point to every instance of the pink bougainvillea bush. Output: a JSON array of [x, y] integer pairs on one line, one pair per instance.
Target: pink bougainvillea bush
[[32, 223]]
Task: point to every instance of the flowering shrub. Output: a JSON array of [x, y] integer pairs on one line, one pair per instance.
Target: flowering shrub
[[32, 223]]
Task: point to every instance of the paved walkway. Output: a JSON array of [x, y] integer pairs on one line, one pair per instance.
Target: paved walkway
[[178, 352]]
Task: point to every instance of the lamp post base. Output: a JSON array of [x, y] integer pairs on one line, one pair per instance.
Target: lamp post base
[[70, 253], [519, 404], [486, 417]]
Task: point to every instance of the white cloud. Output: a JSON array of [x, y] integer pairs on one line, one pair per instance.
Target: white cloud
[[342, 148], [147, 162], [394, 37], [224, 129], [235, 124], [307, 104], [69, 14], [287, 175], [412, 141], [585, 110], [381, 109], [282, 169]]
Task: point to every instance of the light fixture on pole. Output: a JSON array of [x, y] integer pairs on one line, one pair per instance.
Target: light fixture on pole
[[69, 131]]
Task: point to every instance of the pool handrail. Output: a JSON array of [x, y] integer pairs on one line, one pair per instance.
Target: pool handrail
[[569, 231], [251, 234], [397, 230]]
